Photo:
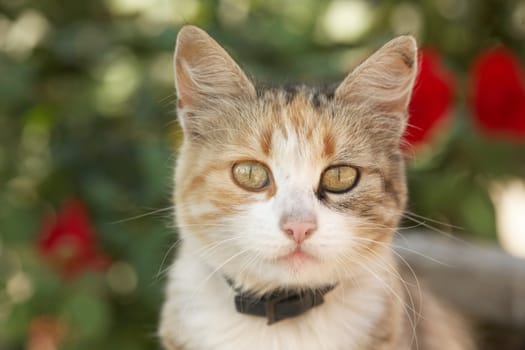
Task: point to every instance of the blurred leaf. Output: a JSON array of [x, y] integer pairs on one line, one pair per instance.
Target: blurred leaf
[[87, 316]]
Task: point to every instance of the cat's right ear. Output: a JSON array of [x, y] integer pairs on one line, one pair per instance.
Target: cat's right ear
[[386, 79], [204, 72]]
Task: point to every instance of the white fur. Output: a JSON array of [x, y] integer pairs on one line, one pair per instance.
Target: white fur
[[202, 316], [200, 313]]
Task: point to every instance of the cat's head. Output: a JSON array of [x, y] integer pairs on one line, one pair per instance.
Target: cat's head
[[289, 187]]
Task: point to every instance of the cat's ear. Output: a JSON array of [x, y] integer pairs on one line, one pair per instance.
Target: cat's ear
[[204, 71], [385, 79]]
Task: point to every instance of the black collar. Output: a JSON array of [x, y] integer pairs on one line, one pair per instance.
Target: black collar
[[279, 304]]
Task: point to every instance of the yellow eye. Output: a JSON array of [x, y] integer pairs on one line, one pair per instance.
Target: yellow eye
[[339, 179], [251, 175]]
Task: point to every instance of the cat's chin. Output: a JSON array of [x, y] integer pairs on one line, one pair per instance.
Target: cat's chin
[[293, 275], [300, 267], [294, 269]]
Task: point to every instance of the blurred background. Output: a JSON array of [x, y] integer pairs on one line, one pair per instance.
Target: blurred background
[[88, 135]]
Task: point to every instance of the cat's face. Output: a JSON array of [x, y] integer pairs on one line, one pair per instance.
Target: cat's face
[[289, 187]]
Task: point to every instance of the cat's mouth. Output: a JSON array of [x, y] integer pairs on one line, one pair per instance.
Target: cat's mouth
[[297, 256]]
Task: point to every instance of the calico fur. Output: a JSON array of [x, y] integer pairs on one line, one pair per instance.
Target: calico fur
[[225, 230]]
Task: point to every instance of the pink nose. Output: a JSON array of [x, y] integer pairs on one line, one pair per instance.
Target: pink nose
[[297, 230]]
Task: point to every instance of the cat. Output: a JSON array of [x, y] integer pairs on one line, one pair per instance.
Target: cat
[[286, 204]]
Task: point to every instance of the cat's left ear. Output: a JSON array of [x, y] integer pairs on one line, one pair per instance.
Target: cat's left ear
[[385, 79], [204, 71]]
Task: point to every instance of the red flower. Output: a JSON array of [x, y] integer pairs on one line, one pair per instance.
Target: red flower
[[431, 98], [68, 240], [498, 94]]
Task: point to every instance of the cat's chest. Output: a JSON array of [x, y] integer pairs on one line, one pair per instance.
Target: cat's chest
[[202, 316]]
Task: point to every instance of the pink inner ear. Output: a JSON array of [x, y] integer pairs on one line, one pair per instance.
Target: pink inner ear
[[184, 94]]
